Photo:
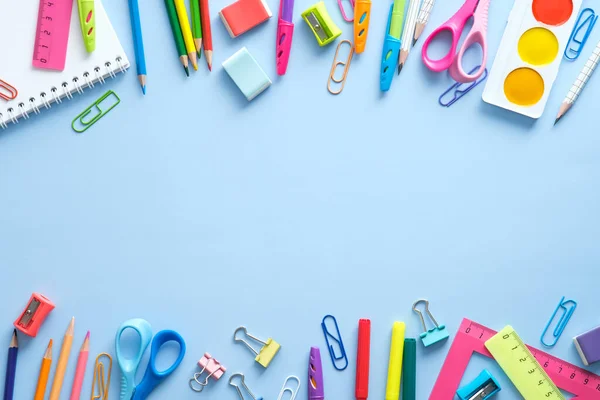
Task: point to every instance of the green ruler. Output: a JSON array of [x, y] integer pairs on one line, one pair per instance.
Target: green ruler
[[521, 366]]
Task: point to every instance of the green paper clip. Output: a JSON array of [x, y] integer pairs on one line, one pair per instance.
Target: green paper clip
[[321, 24], [85, 125]]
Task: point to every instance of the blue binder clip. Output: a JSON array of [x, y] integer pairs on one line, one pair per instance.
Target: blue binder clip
[[568, 308], [337, 338], [482, 388], [587, 19], [458, 90], [434, 335], [389, 56]]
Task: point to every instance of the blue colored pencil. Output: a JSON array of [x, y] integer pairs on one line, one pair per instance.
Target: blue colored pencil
[[138, 42], [11, 367]]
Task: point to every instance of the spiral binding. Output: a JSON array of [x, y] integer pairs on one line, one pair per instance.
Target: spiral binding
[[65, 90]]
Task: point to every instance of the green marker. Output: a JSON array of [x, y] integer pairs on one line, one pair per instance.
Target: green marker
[[397, 18], [87, 20], [177, 35], [409, 370]]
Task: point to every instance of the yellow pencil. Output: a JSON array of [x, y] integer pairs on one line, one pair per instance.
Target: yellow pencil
[[392, 390], [63, 359], [40, 390], [186, 29]]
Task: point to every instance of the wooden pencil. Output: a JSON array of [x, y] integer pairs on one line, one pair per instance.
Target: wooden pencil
[[184, 23], [11, 367], [177, 35], [196, 25], [206, 33], [80, 370], [63, 359], [40, 390]]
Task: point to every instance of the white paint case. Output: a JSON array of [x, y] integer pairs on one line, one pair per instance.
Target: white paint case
[[507, 59]]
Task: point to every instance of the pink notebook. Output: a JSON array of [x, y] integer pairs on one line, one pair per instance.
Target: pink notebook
[[244, 15]]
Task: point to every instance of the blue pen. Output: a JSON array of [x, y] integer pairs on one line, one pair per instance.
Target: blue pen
[[391, 45], [138, 42]]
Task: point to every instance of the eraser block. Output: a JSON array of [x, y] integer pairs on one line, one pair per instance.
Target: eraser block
[[247, 74], [243, 15], [588, 346]]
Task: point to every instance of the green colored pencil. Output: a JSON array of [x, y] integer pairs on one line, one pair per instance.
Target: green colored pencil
[[177, 35], [196, 25]]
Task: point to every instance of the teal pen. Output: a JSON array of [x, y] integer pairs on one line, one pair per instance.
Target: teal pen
[[87, 20]]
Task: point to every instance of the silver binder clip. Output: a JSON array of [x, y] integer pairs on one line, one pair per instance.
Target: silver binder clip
[[243, 383], [267, 352]]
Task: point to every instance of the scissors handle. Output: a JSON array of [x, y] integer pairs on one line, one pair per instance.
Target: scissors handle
[[477, 35], [455, 25], [153, 377], [129, 366]]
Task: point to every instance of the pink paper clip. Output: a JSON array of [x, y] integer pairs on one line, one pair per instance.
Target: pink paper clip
[[341, 4], [212, 367], [7, 91]]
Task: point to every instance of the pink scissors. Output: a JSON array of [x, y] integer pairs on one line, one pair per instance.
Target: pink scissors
[[478, 9]]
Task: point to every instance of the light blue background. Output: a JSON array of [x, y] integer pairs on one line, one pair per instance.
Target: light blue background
[[201, 212]]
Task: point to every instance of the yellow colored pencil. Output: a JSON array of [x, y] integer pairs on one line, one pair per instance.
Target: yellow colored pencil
[[40, 390], [186, 29], [63, 360]]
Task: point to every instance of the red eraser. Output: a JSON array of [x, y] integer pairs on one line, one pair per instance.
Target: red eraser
[[35, 313]]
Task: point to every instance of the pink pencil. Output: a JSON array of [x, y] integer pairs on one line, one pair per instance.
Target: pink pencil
[[81, 365]]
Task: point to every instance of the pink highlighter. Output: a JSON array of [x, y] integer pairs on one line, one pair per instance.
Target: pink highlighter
[[285, 31]]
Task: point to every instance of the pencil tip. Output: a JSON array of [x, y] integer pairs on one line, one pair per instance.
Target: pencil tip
[[14, 332], [400, 68], [556, 120], [144, 90], [187, 71], [50, 343], [209, 67], [87, 336], [415, 41]]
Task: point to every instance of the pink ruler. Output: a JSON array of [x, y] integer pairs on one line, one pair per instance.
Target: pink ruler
[[52, 34], [471, 338]]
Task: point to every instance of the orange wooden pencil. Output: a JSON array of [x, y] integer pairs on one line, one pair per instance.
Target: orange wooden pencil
[[206, 33], [40, 391], [63, 359]]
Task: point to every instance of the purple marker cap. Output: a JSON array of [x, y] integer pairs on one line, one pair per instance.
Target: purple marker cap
[[588, 346], [315, 375]]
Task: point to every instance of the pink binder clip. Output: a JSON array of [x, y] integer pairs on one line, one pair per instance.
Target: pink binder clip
[[212, 367], [346, 18]]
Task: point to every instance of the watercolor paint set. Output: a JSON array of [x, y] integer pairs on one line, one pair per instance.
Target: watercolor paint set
[[530, 54]]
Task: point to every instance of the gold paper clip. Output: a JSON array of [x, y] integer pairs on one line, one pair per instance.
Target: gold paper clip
[[100, 385], [286, 388], [80, 124], [267, 352], [7, 91], [346, 64]]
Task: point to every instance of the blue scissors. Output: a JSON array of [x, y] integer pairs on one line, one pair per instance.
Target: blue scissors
[[152, 377]]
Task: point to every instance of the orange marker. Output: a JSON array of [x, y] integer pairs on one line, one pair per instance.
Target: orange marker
[[362, 16]]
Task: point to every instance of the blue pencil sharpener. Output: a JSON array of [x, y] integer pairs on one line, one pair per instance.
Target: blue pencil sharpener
[[482, 388]]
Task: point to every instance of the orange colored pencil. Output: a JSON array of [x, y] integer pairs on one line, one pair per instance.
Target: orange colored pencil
[[63, 359], [40, 391], [206, 33]]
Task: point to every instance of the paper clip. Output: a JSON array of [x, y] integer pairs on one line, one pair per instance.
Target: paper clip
[[567, 313], [337, 338], [80, 125], [590, 20], [7, 91], [458, 91], [434, 335], [100, 384], [212, 367], [341, 4], [336, 63], [237, 387], [267, 352], [286, 388]]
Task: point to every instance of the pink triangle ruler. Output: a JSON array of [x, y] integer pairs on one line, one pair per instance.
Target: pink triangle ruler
[[52, 34], [471, 338]]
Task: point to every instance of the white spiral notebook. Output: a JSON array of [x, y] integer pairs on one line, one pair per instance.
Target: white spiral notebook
[[38, 88]]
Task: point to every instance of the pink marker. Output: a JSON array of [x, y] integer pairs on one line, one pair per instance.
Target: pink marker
[[80, 370]]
